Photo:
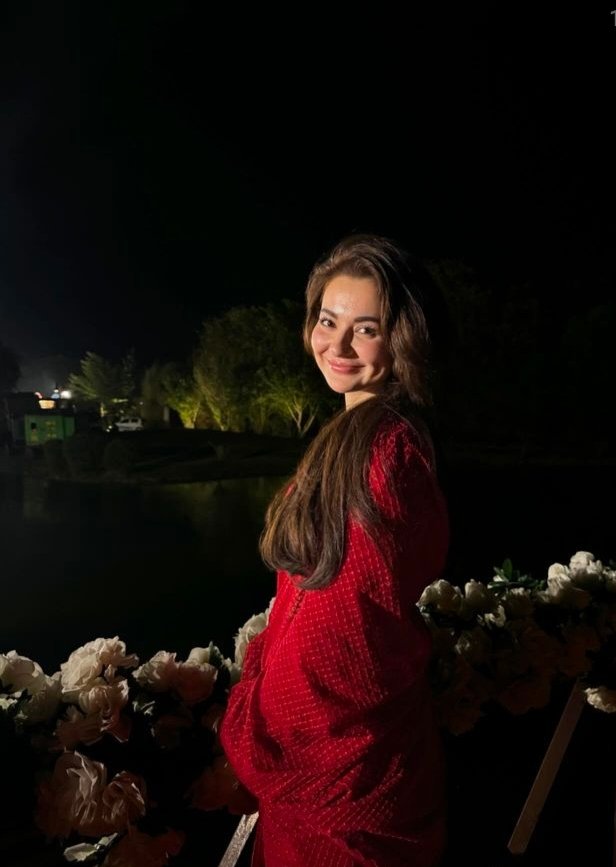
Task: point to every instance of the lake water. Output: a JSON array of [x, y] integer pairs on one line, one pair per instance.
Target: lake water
[[171, 567], [165, 567]]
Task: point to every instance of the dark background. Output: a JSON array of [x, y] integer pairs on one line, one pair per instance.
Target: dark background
[[160, 162], [163, 161]]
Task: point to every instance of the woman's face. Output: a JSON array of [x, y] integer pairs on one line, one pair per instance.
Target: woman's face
[[348, 341]]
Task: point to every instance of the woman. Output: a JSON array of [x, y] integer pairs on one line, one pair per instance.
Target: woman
[[331, 727]]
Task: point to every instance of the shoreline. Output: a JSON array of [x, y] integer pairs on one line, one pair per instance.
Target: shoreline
[[175, 468]]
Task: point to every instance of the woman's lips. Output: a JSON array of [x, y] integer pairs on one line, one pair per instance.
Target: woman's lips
[[343, 368]]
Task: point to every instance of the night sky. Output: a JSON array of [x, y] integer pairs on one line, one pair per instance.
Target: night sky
[[160, 162]]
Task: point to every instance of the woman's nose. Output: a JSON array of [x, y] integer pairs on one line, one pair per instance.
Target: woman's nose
[[342, 343]]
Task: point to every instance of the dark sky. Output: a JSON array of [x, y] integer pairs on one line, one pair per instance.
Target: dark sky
[[159, 161]]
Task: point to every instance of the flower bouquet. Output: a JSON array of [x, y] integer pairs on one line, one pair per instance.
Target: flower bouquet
[[510, 641], [125, 753]]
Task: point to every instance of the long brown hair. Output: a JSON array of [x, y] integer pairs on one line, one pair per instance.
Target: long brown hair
[[305, 524]]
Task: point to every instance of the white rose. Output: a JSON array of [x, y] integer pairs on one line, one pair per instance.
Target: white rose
[[557, 570], [87, 663], [517, 602], [18, 673], [69, 799], [602, 698], [198, 656], [609, 580], [496, 618], [584, 561], [253, 626], [478, 597], [83, 851], [78, 798], [474, 645], [562, 591], [585, 571], [76, 728], [106, 699], [268, 610], [42, 705], [194, 683], [444, 597], [158, 673]]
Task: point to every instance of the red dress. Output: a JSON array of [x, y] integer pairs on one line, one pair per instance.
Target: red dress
[[331, 726]]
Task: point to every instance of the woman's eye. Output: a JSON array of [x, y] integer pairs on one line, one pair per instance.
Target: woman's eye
[[326, 322], [365, 329]]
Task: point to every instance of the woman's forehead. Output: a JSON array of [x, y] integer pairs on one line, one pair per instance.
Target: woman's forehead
[[357, 295]]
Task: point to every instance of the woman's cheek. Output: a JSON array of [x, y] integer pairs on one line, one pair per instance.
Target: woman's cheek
[[317, 341]]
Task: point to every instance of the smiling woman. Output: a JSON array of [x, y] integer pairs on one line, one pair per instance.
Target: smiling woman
[[331, 728]]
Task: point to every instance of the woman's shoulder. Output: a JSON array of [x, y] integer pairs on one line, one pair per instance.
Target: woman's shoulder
[[400, 439]]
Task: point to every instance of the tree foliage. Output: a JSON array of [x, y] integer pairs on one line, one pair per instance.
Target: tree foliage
[[173, 386], [250, 368], [289, 384], [110, 384]]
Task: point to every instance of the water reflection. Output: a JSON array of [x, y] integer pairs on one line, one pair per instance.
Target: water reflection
[[174, 566], [162, 566]]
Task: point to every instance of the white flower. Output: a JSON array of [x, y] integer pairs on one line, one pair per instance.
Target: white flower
[[75, 728], [18, 673], [557, 570], [602, 698], [562, 590], [253, 626], [496, 618], [87, 663], [474, 645], [78, 798], [158, 673], [478, 597], [83, 851], [194, 682], [44, 703], [104, 698], [268, 610], [444, 597], [198, 656], [609, 580], [518, 603], [584, 561], [585, 570]]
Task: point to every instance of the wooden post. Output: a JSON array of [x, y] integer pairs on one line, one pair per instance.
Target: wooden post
[[547, 772], [239, 839]]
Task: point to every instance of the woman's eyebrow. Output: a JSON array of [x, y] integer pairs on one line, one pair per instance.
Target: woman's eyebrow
[[357, 318]]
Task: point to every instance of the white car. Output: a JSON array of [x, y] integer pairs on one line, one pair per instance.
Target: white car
[[129, 423]]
